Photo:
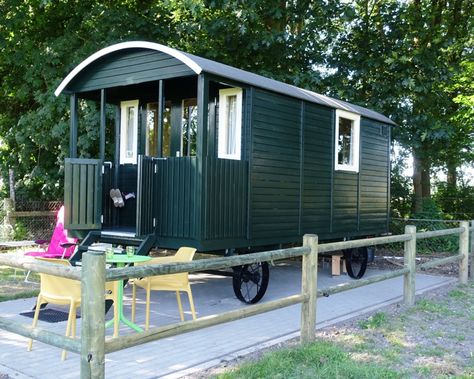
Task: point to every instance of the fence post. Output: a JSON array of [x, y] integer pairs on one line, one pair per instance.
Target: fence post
[[93, 315], [309, 287], [9, 221], [472, 251], [410, 263], [464, 252]]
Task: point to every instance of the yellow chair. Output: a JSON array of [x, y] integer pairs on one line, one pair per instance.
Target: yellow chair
[[62, 291], [172, 282]]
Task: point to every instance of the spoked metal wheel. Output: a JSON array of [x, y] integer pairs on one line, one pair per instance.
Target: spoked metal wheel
[[356, 262], [251, 281]]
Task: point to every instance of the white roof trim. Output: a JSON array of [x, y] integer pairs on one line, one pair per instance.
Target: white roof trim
[[128, 45]]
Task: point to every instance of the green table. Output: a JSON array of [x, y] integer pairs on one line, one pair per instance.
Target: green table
[[121, 260]]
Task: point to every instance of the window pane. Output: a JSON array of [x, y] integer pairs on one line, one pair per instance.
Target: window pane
[[151, 127], [167, 130], [189, 127], [129, 153], [231, 118], [344, 148]]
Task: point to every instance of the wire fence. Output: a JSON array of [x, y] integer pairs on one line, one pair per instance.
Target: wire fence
[[27, 220], [390, 256]]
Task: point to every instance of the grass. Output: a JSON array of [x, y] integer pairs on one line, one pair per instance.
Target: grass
[[373, 322], [13, 286], [428, 306], [316, 360], [409, 342]]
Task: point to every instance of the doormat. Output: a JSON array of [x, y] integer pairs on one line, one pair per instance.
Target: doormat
[[49, 315]]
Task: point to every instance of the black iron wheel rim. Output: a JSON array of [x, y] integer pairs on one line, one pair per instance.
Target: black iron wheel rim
[[356, 262], [250, 282]]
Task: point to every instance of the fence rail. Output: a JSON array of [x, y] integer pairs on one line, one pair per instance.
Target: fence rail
[[93, 346]]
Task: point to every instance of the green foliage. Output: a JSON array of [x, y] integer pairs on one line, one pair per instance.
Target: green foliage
[[430, 211], [401, 57], [410, 60], [43, 40], [456, 202], [400, 188], [19, 231]]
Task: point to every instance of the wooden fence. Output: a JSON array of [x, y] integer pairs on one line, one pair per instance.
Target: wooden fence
[[92, 346]]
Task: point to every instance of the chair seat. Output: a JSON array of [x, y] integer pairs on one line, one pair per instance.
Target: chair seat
[[48, 255], [162, 283], [168, 282]]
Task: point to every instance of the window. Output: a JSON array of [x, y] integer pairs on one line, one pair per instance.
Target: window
[[151, 148], [189, 127], [128, 131], [151, 128], [230, 123], [347, 141]]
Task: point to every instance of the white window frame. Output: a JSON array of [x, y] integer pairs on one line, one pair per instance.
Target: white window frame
[[123, 132], [355, 141], [223, 129]]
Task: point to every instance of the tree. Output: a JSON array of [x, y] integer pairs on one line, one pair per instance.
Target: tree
[[396, 57], [41, 41]]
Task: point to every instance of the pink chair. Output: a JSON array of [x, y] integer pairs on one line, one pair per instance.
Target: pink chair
[[61, 246]]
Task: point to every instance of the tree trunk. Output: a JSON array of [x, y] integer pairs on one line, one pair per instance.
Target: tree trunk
[[452, 176], [421, 179]]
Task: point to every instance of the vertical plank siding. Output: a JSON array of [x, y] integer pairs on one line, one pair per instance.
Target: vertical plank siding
[[82, 196], [146, 193], [107, 203], [345, 206], [374, 176], [176, 197], [275, 173], [317, 150], [292, 145], [226, 201]]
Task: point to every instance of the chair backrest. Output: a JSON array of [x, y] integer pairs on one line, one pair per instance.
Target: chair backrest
[[184, 254], [58, 286], [59, 237], [179, 280]]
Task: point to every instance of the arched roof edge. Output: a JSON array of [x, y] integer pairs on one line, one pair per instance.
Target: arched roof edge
[[128, 45]]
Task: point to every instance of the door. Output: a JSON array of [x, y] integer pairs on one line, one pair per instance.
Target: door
[[147, 196], [83, 193]]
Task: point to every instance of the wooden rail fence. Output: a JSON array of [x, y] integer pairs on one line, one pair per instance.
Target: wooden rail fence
[[92, 345]]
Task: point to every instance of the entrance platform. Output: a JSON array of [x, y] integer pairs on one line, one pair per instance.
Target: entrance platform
[[192, 352]]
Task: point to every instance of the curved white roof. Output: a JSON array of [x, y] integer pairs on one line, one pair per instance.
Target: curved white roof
[[199, 64]]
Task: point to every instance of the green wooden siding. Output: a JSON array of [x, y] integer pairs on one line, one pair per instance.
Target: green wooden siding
[[275, 172], [82, 193], [176, 197], [131, 66], [146, 189], [345, 202], [226, 199], [374, 177], [317, 169]]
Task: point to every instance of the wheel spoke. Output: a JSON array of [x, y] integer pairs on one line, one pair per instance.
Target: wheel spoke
[[250, 282]]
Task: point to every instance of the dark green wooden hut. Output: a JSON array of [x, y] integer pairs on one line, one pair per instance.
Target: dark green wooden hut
[[220, 158]]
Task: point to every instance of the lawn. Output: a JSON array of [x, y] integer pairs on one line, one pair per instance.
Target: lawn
[[433, 339]]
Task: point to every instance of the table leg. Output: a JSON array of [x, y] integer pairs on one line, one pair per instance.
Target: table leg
[[118, 313]]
